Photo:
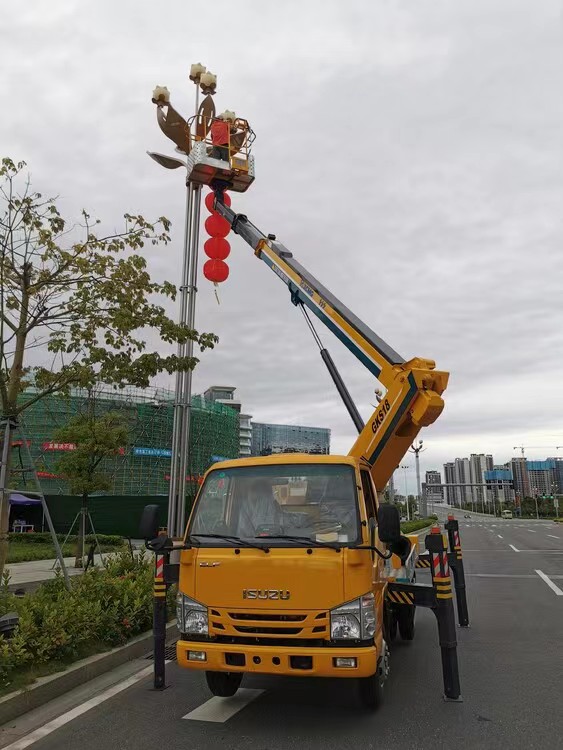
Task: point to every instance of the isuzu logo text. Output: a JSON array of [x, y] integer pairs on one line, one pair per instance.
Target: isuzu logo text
[[265, 594]]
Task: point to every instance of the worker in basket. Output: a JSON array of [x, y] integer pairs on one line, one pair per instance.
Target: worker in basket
[[221, 131]]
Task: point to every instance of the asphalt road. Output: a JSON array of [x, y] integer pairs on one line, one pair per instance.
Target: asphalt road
[[511, 662]]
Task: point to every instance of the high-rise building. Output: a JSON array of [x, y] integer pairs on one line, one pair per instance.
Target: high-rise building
[[225, 394], [433, 487], [245, 435], [463, 476], [542, 477], [519, 471], [479, 463], [449, 479], [289, 438], [558, 474], [500, 486]]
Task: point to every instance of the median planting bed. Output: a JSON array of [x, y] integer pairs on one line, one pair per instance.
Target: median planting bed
[[39, 546], [105, 608]]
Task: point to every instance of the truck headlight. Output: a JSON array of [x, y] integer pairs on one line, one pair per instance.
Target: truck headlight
[[354, 620], [192, 616]]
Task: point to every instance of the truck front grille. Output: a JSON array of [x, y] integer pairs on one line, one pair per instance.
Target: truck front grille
[[268, 625]]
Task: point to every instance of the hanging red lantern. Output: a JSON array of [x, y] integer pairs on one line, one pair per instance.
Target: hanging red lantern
[[217, 226], [217, 248], [210, 199], [216, 271]]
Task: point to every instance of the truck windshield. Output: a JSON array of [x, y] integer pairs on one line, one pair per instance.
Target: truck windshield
[[305, 501]]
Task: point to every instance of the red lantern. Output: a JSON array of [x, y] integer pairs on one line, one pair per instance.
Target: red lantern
[[216, 270], [217, 248], [217, 226], [210, 198]]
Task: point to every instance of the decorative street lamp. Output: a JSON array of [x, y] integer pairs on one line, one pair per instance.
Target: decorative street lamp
[[234, 170], [175, 127], [417, 449]]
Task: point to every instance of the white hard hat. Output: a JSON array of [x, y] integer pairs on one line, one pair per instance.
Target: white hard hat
[[228, 115]]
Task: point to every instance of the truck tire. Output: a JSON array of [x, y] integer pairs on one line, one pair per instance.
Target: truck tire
[[371, 688], [223, 684], [406, 622]]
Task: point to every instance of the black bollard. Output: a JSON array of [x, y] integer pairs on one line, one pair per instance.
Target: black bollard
[[444, 612], [159, 621], [452, 527]]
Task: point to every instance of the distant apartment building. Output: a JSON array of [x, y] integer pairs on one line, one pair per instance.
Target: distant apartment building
[[449, 479], [462, 473], [288, 438], [542, 477], [519, 471], [500, 486], [558, 474], [225, 394], [432, 487], [479, 463]]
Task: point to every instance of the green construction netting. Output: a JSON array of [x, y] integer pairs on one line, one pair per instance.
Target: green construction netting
[[144, 466]]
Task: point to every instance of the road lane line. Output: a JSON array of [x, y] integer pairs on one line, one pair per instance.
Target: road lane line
[[531, 531], [221, 709], [514, 548], [553, 536], [65, 718], [499, 536], [550, 583]]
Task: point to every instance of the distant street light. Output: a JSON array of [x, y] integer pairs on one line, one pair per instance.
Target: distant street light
[[417, 449]]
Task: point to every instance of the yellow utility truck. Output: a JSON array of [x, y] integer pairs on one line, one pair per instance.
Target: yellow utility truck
[[290, 563]]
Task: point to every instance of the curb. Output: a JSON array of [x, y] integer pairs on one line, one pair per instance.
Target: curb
[[50, 687]]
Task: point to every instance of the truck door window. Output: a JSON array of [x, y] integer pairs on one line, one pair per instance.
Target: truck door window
[[371, 508]]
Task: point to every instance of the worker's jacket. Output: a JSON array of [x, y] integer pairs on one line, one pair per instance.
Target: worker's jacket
[[219, 133]]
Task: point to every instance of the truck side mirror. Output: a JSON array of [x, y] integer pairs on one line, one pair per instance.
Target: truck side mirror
[[389, 524], [148, 527]]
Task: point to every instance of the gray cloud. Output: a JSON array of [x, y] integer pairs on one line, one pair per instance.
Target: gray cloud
[[409, 154]]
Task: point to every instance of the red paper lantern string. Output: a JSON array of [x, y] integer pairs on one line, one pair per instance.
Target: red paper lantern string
[[210, 198], [216, 271], [217, 248], [217, 226]]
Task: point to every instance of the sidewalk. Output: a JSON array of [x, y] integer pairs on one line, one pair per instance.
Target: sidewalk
[[37, 571], [41, 570]]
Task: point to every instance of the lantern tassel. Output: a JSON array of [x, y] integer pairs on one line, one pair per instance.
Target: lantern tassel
[[216, 285]]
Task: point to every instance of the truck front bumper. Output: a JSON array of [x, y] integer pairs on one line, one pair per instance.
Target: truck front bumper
[[294, 660]]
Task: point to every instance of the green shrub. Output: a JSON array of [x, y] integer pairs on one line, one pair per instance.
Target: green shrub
[[26, 552], [409, 526], [41, 537], [105, 607]]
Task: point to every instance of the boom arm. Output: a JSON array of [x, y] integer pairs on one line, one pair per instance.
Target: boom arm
[[413, 398]]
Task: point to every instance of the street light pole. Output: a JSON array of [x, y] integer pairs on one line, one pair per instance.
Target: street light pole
[[536, 500], [179, 462], [417, 449], [406, 492]]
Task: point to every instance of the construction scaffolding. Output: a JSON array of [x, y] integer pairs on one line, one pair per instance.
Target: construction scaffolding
[[143, 466]]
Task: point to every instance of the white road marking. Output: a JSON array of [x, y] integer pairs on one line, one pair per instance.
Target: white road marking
[[514, 548], [499, 536], [550, 583], [531, 531], [553, 536], [65, 718], [221, 709]]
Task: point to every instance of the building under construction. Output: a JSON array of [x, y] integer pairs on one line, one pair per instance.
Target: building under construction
[[140, 472]]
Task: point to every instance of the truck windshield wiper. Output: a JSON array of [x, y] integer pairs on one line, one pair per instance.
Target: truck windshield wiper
[[307, 541], [234, 539]]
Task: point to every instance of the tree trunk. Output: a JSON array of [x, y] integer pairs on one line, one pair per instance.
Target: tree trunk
[[81, 541], [6, 455]]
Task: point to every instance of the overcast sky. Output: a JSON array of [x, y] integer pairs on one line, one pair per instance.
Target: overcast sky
[[410, 154]]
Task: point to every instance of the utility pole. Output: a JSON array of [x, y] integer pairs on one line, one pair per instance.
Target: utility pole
[[405, 467]]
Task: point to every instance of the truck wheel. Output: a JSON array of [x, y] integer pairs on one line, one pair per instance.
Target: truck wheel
[[223, 684], [406, 622], [371, 688]]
